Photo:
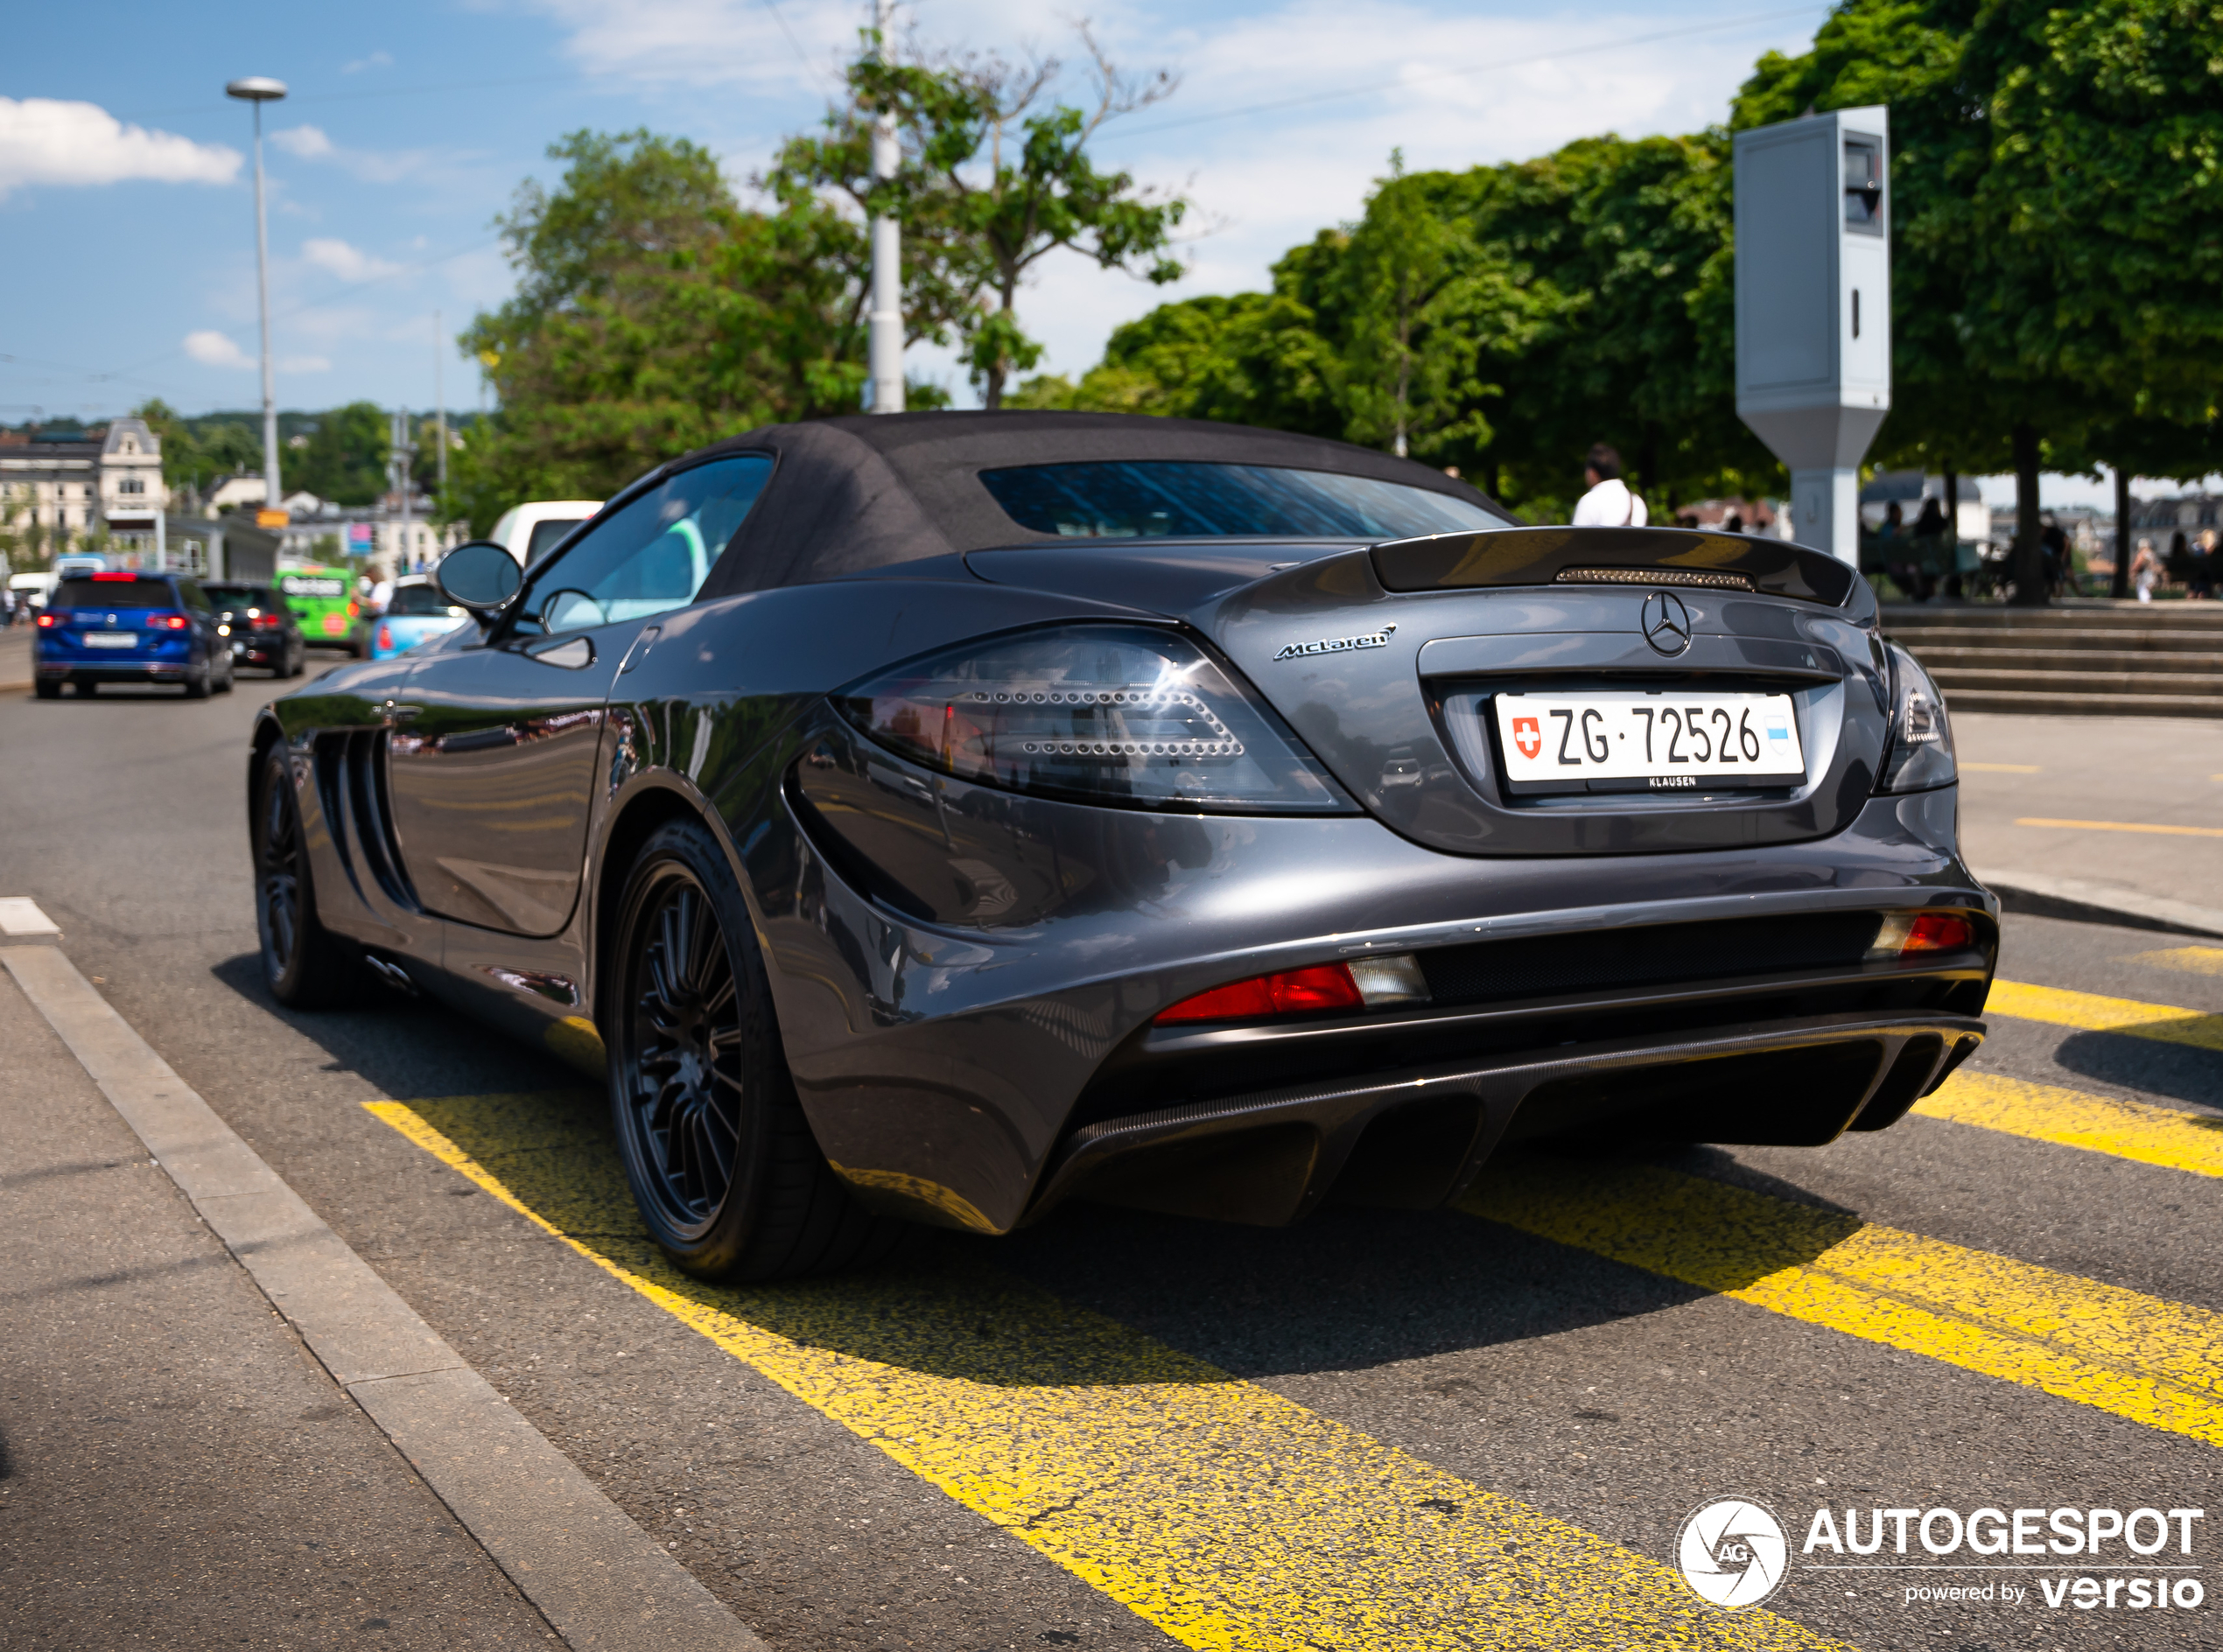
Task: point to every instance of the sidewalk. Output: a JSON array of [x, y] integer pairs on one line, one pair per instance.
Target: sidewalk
[[15, 657], [2144, 800]]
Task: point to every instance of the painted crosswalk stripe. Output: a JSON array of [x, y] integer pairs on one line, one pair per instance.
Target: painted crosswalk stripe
[[1227, 1516], [2071, 1118], [2089, 1013], [2140, 1357]]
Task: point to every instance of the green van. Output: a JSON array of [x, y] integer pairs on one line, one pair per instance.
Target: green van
[[324, 600]]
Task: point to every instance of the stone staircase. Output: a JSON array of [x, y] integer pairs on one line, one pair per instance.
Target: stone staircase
[[2085, 656]]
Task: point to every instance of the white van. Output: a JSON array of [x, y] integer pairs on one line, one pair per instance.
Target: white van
[[531, 530]]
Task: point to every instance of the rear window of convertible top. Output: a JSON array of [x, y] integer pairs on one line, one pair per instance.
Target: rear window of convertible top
[[1160, 499], [116, 593]]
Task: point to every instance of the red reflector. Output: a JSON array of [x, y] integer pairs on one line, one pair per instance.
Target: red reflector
[[1324, 986], [1938, 932]]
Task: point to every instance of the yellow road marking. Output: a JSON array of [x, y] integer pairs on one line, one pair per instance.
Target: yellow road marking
[[2090, 1013], [2046, 1113], [2126, 826], [2004, 768], [2191, 960], [1229, 1517], [2153, 1361]]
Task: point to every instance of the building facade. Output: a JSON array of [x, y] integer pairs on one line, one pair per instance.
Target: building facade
[[107, 481]]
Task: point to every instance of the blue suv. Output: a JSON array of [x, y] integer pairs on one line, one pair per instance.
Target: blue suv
[[120, 626]]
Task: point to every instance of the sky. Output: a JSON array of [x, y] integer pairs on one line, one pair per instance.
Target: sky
[[126, 176]]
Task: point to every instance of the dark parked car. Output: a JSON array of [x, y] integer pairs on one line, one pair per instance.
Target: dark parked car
[[262, 627], [939, 817], [117, 627]]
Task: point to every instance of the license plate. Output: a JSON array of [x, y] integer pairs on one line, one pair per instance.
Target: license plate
[[1632, 741], [112, 639]]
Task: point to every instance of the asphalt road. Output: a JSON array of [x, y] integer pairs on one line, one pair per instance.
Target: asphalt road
[[1479, 1427]]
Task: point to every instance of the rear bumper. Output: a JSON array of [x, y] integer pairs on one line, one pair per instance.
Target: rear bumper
[[114, 670], [1417, 1139]]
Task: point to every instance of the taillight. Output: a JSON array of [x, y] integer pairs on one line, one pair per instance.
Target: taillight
[[1903, 932], [354, 611], [385, 636], [264, 622], [47, 622], [167, 622], [1126, 715], [1364, 983]]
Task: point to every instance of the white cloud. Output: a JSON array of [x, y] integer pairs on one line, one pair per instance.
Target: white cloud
[[329, 253], [376, 61], [48, 141], [309, 143], [214, 349]]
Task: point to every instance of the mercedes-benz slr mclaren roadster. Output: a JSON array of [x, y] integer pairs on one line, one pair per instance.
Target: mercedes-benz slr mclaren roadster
[[937, 817]]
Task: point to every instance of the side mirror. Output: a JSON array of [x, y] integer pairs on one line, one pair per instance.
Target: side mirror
[[481, 576]]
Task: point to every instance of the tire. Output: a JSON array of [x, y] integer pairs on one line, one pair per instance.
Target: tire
[[722, 1162], [304, 964], [197, 683], [47, 688], [86, 688], [226, 685]]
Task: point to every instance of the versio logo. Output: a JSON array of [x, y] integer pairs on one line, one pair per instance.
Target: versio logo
[[1733, 1553]]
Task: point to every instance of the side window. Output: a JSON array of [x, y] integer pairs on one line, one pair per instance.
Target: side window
[[653, 555]]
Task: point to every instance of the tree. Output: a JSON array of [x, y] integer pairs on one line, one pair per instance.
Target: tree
[[654, 314], [345, 460], [2055, 174], [1252, 358], [1035, 192], [198, 451]]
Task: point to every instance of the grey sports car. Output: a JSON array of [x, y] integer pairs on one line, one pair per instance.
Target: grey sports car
[[936, 817]]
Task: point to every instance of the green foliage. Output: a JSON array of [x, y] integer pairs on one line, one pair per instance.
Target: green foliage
[[992, 217], [654, 314], [2057, 175], [344, 460], [196, 451]]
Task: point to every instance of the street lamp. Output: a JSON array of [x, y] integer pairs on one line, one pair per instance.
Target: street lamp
[[259, 89]]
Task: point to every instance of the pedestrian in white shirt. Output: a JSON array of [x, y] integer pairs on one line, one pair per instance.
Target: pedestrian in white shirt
[[1609, 503]]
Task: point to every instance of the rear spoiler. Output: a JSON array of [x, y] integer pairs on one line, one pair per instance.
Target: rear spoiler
[[1612, 556]]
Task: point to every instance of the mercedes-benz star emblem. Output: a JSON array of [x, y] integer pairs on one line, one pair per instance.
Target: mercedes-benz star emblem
[[1666, 622]]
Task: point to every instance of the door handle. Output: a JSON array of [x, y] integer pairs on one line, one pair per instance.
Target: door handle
[[639, 651]]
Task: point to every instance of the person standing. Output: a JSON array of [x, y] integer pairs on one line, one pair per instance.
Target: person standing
[[1610, 503], [2145, 571]]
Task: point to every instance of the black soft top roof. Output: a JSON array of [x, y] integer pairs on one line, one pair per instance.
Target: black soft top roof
[[852, 494]]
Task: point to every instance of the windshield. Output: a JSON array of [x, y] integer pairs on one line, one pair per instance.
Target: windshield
[[112, 593], [1156, 499], [420, 600]]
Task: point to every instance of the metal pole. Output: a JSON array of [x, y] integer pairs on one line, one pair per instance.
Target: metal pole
[[440, 405], [885, 337], [270, 486], [258, 90]]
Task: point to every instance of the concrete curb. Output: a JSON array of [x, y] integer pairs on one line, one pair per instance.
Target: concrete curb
[[600, 1581], [2042, 895]]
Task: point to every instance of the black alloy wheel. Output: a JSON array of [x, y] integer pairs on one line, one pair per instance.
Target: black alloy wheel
[[304, 966], [721, 1159]]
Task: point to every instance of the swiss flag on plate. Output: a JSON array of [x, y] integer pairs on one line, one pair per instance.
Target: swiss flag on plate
[[1528, 736]]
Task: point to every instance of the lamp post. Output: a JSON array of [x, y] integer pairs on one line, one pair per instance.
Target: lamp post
[[259, 89]]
